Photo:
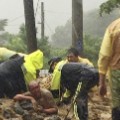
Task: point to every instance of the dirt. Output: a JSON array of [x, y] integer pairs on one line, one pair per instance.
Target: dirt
[[99, 109]]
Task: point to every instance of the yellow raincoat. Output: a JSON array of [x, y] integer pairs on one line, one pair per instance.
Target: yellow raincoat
[[55, 83], [109, 59], [33, 62]]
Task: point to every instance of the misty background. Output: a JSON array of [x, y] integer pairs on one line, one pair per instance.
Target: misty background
[[58, 27], [57, 12]]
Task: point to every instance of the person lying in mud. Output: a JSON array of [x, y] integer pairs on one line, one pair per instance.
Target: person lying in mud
[[41, 99]]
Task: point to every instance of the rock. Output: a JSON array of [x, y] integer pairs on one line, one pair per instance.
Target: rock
[[8, 113], [18, 109], [26, 104], [54, 117], [26, 116], [106, 116], [37, 117]]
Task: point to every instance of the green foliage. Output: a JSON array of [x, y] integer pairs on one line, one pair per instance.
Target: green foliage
[[95, 25], [109, 6], [44, 45], [58, 52], [91, 48], [4, 36], [3, 23], [54, 52], [16, 44], [22, 33], [62, 36]]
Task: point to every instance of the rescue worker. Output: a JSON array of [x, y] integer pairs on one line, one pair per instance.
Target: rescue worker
[[72, 56], [79, 78], [6, 54], [15, 74], [109, 62]]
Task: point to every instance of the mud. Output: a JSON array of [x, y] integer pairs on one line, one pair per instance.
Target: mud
[[99, 109]]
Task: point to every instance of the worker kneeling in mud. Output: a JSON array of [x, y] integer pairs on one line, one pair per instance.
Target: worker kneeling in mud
[[55, 68], [15, 74], [79, 78]]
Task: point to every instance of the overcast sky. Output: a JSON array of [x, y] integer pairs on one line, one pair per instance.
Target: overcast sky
[[57, 12]]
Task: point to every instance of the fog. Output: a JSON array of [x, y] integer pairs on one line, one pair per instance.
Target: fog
[[57, 12]]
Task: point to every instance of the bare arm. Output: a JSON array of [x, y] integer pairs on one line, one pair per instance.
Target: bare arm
[[22, 97], [50, 111], [19, 97], [102, 85], [50, 103]]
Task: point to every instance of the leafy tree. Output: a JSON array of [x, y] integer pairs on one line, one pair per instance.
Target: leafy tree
[[58, 52], [17, 44], [3, 23], [109, 6], [4, 36], [91, 48], [62, 36], [95, 25], [22, 33], [44, 45]]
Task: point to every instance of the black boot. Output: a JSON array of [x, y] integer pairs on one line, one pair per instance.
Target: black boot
[[116, 113], [82, 108]]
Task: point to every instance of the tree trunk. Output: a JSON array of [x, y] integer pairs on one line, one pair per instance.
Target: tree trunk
[[30, 26], [77, 25]]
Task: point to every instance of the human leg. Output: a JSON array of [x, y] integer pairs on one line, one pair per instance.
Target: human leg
[[115, 88]]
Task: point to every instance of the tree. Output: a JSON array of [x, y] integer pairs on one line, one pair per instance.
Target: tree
[[44, 45], [30, 26], [91, 48], [22, 33], [17, 44], [4, 36], [77, 25], [109, 6], [62, 37], [95, 25], [3, 23]]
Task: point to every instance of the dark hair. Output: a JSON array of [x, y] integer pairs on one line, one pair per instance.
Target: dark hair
[[14, 56], [74, 51], [52, 61]]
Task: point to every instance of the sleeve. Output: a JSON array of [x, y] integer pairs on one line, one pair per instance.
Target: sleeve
[[85, 61], [105, 53]]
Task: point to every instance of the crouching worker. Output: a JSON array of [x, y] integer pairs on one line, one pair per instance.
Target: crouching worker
[[79, 79], [41, 99], [15, 74], [56, 65]]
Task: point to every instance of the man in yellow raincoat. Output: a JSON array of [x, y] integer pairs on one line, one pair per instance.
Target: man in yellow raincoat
[[56, 65], [15, 74], [109, 60], [72, 56]]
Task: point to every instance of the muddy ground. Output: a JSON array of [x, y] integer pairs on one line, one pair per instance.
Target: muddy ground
[[99, 109]]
